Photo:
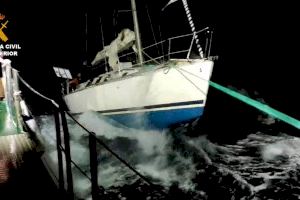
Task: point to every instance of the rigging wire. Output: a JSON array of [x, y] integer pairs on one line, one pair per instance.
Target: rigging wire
[[190, 81], [151, 25], [161, 43], [86, 40], [103, 44]]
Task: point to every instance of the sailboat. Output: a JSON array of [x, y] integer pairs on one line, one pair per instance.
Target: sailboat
[[154, 92]]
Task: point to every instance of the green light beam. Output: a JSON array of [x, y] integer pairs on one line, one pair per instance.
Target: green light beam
[[258, 105]]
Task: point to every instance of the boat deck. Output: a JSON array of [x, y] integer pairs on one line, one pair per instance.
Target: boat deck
[[22, 173]]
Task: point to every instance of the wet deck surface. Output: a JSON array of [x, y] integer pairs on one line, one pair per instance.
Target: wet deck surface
[[22, 173]]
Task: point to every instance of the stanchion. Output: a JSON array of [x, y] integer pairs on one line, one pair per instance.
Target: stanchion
[[59, 152], [94, 166], [67, 154]]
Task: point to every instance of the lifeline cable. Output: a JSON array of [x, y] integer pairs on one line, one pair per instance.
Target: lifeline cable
[[117, 156], [36, 92], [98, 140]]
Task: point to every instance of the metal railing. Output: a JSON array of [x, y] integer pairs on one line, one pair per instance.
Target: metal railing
[[12, 93], [61, 125], [65, 162], [179, 45]]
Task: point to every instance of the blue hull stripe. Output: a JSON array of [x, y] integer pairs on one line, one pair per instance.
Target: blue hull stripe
[[153, 106], [157, 119]]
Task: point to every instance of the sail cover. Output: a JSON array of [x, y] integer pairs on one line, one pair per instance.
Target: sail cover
[[125, 40]]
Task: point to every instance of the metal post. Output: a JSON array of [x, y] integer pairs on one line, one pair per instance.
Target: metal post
[[210, 41], [206, 47], [67, 154], [67, 86], [59, 152], [169, 49], [191, 22], [190, 49], [137, 33], [93, 165], [17, 99], [8, 86]]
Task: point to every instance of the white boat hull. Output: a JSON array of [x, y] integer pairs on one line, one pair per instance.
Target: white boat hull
[[159, 97]]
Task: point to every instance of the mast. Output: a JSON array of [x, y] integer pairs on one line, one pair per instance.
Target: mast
[[137, 32]]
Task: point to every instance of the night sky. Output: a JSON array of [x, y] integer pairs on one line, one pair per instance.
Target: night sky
[[257, 44]]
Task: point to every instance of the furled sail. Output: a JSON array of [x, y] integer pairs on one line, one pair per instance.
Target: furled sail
[[125, 40]]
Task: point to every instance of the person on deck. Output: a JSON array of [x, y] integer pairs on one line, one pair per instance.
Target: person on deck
[[75, 82]]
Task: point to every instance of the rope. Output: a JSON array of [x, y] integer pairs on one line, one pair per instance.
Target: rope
[[151, 59], [193, 74], [117, 156], [191, 82], [161, 44], [151, 25], [37, 93], [178, 69], [81, 171], [98, 140]]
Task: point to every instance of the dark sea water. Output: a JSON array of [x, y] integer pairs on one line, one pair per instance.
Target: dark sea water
[[233, 152]]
